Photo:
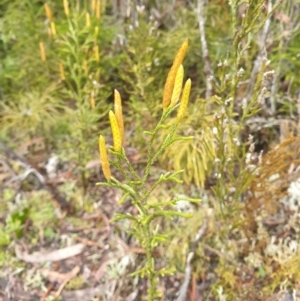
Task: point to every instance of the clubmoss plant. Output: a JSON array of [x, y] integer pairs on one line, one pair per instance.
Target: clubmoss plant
[[137, 188], [198, 154], [139, 71], [77, 61], [234, 167], [55, 75]]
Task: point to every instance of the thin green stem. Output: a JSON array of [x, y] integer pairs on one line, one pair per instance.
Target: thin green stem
[[149, 152], [150, 264], [131, 169], [166, 143]]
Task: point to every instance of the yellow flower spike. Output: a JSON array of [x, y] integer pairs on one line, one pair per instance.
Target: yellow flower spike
[[96, 52], [184, 99], [177, 86], [93, 5], [98, 9], [66, 7], [119, 113], [87, 19], [48, 11], [61, 71], [169, 85], [104, 158], [96, 30], [53, 29], [115, 131], [42, 52], [92, 100]]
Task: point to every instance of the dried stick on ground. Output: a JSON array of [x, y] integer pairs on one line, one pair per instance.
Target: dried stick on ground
[[53, 256], [69, 277], [205, 55], [188, 267]]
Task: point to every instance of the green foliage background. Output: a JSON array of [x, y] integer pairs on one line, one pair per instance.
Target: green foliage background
[[136, 46]]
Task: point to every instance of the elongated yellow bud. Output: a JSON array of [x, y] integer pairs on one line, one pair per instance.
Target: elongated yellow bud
[[61, 71], [115, 131], [42, 52], [104, 158], [184, 99], [98, 9], [96, 31], [48, 11], [92, 100], [169, 85], [53, 29], [96, 52], [119, 113], [87, 20], [66, 7], [177, 86], [93, 5]]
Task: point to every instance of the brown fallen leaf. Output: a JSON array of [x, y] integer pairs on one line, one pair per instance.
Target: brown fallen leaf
[[69, 276], [56, 255], [282, 17], [50, 286], [53, 276]]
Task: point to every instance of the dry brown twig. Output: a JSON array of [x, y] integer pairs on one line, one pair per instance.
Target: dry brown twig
[[69, 276], [205, 54]]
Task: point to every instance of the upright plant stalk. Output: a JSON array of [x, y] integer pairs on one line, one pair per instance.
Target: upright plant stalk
[[231, 154], [74, 41], [134, 187]]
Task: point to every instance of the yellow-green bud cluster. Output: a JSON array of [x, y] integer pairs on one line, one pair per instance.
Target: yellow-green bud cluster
[[184, 99], [104, 158], [117, 128], [169, 85]]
